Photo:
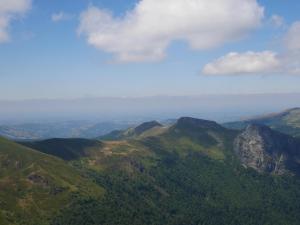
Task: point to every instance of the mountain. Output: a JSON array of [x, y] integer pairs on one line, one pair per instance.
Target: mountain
[[35, 186], [192, 172], [146, 126], [266, 150], [287, 122], [196, 135], [144, 129]]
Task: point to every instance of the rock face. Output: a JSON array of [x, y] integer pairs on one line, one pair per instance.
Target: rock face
[[266, 150]]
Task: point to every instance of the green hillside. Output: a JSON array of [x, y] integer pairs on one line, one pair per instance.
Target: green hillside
[[188, 175], [287, 122], [34, 186]]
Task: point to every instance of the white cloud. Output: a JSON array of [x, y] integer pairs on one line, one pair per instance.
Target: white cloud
[[285, 62], [243, 63], [61, 16], [145, 32], [9, 10]]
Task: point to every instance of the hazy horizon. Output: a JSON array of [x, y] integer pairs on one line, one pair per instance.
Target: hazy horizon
[[222, 108]]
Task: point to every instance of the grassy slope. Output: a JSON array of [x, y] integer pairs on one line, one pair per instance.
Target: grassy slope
[[34, 186]]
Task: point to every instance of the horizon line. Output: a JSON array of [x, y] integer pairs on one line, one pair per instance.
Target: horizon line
[[148, 96]]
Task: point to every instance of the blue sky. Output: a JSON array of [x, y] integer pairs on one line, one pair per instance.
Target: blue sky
[[47, 59]]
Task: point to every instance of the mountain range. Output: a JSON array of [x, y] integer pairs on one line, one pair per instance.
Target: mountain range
[[68, 129], [192, 171]]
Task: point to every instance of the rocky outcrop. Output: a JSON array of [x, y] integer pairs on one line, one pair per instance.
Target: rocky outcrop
[[38, 180], [265, 150]]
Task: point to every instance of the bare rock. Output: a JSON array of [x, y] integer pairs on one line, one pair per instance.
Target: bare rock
[[265, 150]]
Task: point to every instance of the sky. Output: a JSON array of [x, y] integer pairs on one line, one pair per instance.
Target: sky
[[65, 49]]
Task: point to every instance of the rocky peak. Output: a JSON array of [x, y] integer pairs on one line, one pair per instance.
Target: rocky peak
[[265, 150]]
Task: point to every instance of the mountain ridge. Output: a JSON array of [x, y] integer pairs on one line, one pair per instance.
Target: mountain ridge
[[287, 121], [178, 174], [133, 132]]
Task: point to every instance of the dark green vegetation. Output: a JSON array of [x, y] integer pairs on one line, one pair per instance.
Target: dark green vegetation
[[183, 174], [286, 122], [67, 149]]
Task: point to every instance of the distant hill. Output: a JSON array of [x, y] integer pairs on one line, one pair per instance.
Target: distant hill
[[287, 122], [69, 129], [35, 186]]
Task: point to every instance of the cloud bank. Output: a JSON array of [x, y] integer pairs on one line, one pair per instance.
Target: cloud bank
[[145, 32], [10, 10]]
